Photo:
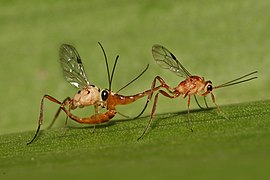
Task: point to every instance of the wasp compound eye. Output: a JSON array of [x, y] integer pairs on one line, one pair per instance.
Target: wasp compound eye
[[104, 95], [209, 87]]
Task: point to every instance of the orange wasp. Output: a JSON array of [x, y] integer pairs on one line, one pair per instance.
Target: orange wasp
[[192, 85], [88, 94]]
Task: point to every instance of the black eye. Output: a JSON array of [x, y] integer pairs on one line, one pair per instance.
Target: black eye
[[209, 87], [104, 95]]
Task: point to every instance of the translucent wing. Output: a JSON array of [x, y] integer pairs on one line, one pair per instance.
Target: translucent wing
[[167, 60], [72, 66]]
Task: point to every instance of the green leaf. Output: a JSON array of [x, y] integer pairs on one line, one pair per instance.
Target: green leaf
[[237, 148]]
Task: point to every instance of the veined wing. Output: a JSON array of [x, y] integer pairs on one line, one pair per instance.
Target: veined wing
[[72, 66], [167, 60]]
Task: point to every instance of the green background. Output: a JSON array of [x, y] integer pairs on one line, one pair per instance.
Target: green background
[[219, 40]]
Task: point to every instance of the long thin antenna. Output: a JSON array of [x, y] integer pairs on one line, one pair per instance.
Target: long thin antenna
[[235, 81], [133, 79], [107, 65], [115, 62]]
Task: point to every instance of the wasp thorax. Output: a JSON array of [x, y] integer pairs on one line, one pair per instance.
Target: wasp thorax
[[87, 96]]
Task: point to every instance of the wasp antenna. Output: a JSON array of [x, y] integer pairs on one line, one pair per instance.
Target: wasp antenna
[[133, 79], [236, 81], [114, 66], [107, 64], [229, 82]]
